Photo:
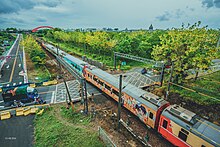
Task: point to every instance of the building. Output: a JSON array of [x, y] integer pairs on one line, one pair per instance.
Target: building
[[151, 28]]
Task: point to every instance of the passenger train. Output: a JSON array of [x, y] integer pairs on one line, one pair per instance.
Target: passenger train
[[179, 126]]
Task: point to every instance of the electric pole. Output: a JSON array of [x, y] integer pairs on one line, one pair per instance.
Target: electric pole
[[162, 75], [84, 95], [119, 101], [171, 74], [67, 89]]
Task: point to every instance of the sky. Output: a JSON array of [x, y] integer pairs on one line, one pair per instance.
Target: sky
[[131, 14]]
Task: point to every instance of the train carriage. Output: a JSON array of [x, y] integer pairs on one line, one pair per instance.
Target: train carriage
[[145, 105], [184, 128]]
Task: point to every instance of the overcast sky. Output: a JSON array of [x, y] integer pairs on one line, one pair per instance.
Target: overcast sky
[[132, 14]]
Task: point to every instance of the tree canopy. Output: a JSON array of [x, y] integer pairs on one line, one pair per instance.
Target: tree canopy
[[192, 47], [37, 55]]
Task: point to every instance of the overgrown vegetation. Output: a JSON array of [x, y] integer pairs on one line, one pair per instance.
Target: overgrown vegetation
[[61, 127], [37, 55], [36, 59], [208, 85]]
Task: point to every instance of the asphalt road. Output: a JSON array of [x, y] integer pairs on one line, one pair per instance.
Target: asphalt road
[[17, 132], [12, 67]]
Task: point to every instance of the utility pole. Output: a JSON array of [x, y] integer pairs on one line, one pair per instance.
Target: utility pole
[[67, 89], [162, 75], [171, 73], [114, 61], [84, 95], [119, 101]]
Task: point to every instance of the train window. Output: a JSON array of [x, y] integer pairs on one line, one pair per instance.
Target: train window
[[151, 115], [184, 131], [107, 87], [182, 136], [101, 83], [88, 75], [165, 123], [115, 92], [95, 79]]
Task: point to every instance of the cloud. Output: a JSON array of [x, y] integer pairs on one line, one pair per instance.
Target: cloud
[[178, 13], [19, 20], [211, 3], [189, 8], [50, 3], [41, 20], [14, 6], [164, 17]]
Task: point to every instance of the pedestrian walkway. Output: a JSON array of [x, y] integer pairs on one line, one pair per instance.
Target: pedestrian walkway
[[61, 94]]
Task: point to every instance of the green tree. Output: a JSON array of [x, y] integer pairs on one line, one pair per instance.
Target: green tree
[[35, 51], [190, 48]]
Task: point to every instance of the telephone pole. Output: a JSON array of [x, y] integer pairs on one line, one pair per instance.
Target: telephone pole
[[67, 89], [171, 74], [119, 101]]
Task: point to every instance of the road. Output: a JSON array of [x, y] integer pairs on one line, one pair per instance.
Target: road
[[17, 132], [12, 67]]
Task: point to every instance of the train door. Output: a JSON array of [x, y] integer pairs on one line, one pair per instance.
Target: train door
[[164, 127], [151, 118]]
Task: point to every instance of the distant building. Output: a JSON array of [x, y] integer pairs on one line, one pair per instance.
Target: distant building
[[151, 28]]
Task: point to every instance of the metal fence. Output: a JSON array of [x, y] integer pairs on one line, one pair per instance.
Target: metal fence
[[104, 137]]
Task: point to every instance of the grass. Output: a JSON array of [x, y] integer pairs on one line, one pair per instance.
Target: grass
[[61, 127], [209, 85]]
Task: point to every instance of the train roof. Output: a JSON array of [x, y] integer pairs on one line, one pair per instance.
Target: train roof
[[66, 56], [193, 123], [75, 60], [142, 96]]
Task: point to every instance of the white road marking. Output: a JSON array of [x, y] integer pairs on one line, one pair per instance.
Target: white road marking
[[8, 85], [20, 82], [14, 84], [19, 65], [7, 66], [52, 98], [1, 101]]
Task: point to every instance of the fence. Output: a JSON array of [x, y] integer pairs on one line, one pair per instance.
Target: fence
[[104, 137]]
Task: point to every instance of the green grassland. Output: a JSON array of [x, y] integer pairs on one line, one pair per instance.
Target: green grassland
[[208, 85], [59, 126]]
